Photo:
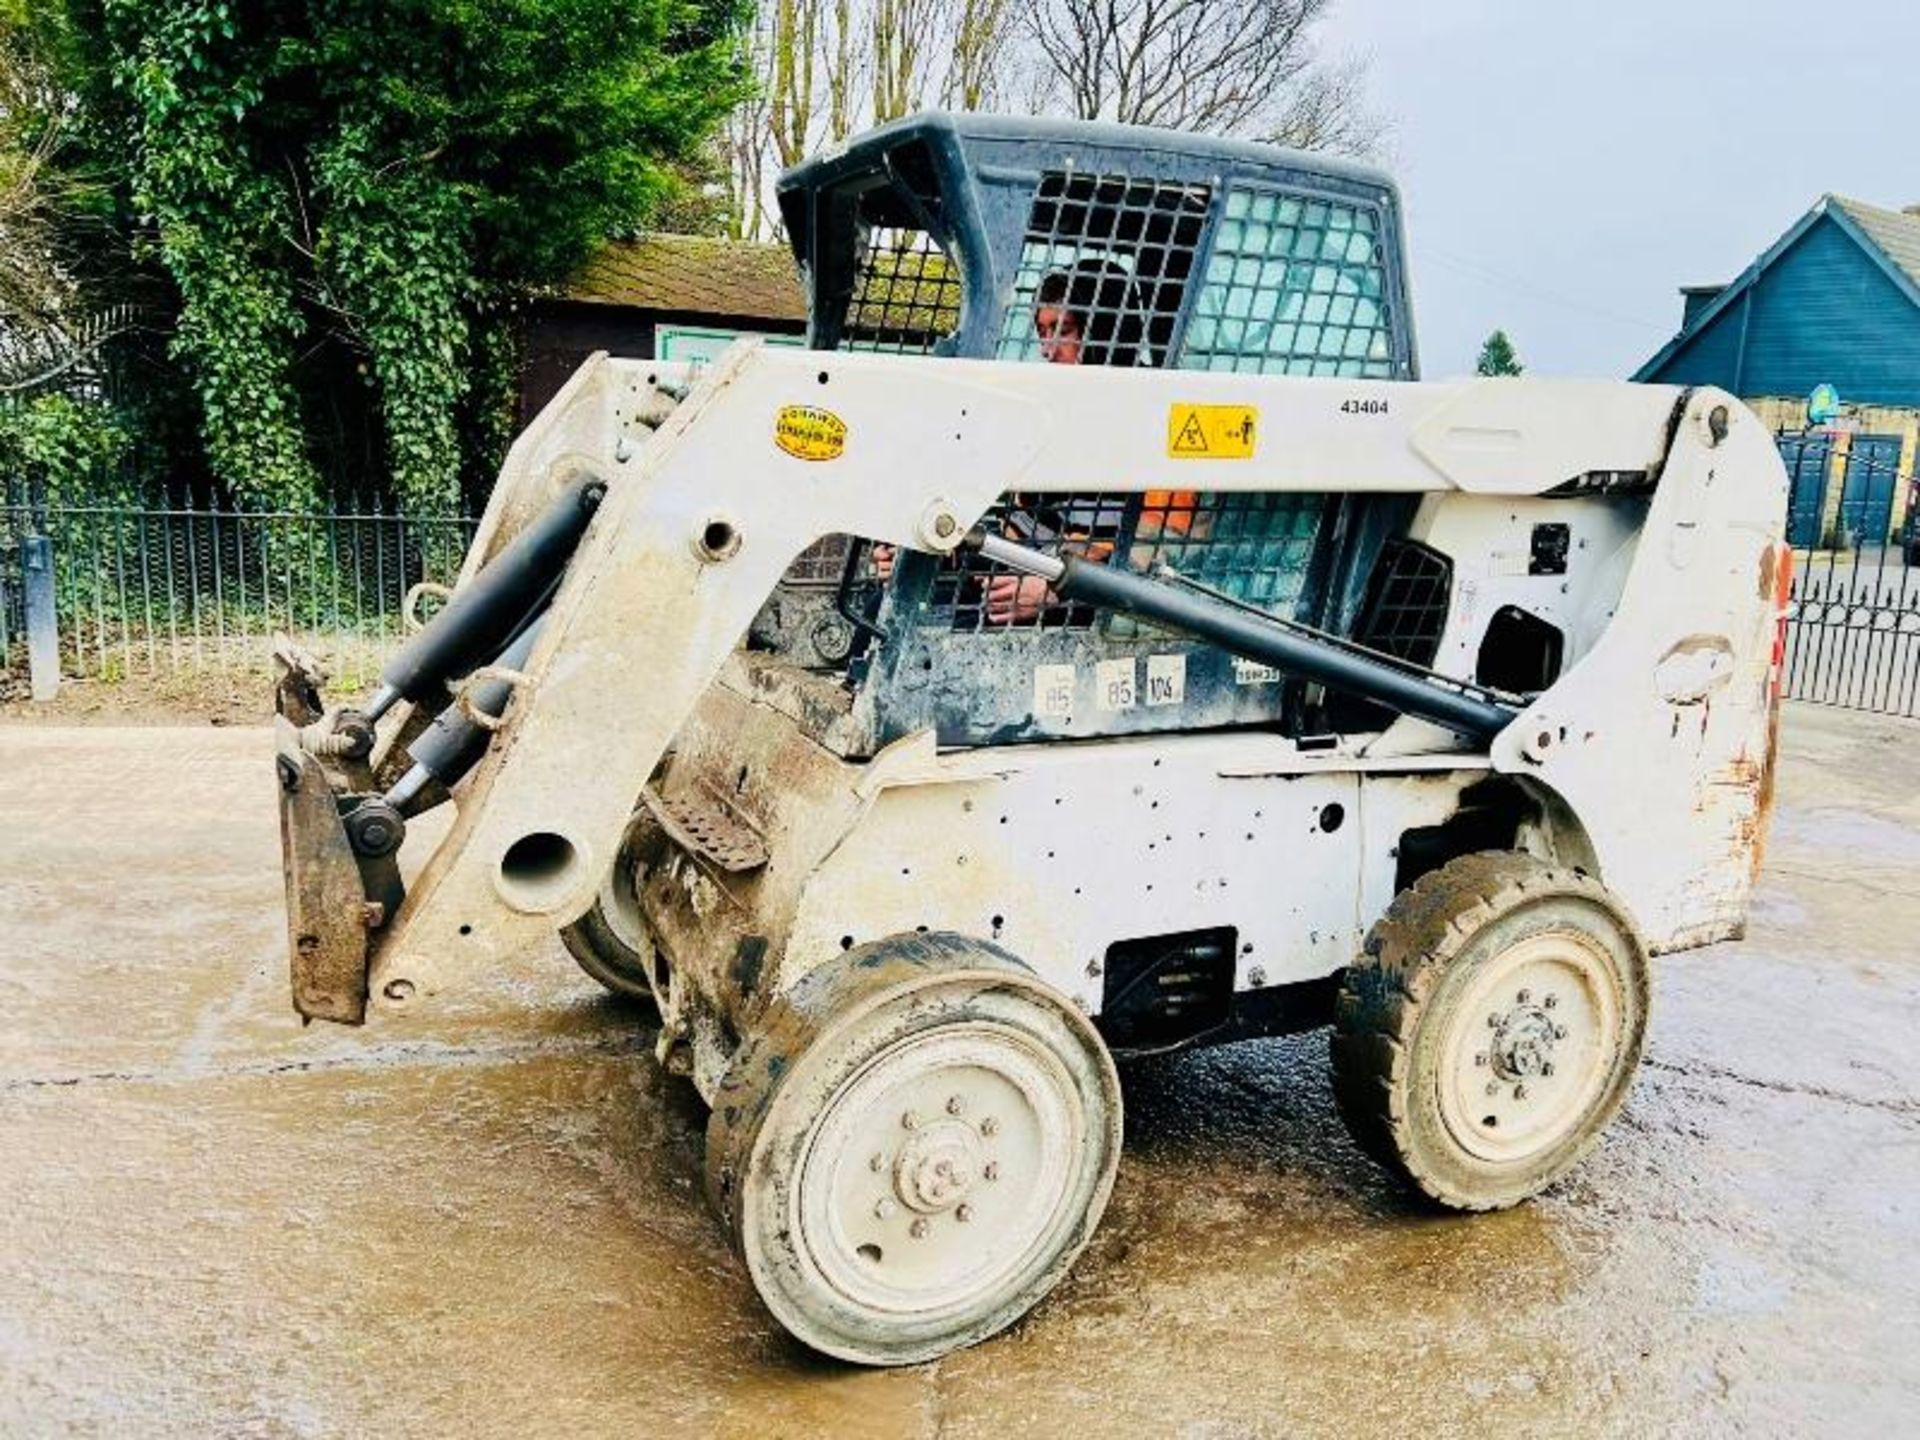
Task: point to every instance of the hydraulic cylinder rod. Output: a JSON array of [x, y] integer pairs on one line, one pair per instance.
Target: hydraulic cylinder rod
[[481, 618], [451, 745], [1244, 633]]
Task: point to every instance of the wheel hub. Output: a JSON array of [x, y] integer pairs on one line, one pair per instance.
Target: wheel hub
[[1523, 1042], [936, 1169]]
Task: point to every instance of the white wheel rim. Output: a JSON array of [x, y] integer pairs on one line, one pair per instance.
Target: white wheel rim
[[939, 1178], [620, 904], [1530, 1047]]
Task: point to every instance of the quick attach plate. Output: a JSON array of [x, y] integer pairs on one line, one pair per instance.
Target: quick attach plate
[[328, 914]]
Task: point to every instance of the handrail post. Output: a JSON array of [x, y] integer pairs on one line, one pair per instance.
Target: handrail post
[[43, 633]]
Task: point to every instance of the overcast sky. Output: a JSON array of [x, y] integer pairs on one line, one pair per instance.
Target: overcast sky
[[1568, 164]]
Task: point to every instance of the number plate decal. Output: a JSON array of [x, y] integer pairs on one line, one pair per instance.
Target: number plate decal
[[1053, 691]]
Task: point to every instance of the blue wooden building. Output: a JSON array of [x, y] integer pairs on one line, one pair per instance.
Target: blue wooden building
[[1835, 301]]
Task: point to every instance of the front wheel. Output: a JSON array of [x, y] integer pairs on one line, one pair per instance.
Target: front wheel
[[1491, 1028], [913, 1148], [610, 941]]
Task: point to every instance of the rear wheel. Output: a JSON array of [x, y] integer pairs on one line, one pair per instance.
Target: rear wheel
[[1491, 1029], [610, 941], [914, 1148]]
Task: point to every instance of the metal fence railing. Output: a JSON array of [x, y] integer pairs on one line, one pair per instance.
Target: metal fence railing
[[1853, 518], [145, 590], [151, 590]]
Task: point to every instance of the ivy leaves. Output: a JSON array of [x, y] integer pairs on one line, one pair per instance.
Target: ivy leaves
[[60, 444], [375, 181]]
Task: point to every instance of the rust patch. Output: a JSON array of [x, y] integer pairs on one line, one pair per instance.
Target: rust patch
[[1762, 821], [1693, 669], [1776, 572]]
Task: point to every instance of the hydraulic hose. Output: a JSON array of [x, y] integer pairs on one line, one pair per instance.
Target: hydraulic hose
[[483, 616], [453, 744]]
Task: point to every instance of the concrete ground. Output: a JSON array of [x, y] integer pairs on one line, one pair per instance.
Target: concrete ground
[[215, 1223]]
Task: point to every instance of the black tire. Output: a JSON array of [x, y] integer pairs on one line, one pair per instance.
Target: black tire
[[610, 940], [1440, 1038]]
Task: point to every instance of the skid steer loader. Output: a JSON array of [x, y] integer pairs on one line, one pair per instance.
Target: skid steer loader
[[1146, 660]]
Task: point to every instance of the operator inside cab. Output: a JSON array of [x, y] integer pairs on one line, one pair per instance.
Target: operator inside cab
[[1089, 314]]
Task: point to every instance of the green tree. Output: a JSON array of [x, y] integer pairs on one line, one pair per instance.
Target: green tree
[[347, 198], [35, 200], [1498, 357]]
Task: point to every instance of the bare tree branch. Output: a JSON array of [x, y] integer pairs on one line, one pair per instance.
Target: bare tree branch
[[981, 32], [1234, 67]]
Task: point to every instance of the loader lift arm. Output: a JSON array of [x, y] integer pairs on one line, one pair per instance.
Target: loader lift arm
[[701, 517]]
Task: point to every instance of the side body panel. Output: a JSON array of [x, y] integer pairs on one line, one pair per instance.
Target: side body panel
[[1055, 852], [1660, 737]]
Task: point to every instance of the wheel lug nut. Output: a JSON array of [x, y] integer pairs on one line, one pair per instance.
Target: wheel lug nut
[[877, 1164], [963, 1214], [919, 1229], [1480, 1059], [1524, 996], [910, 1121], [1493, 1022], [1493, 1087], [1551, 1001], [1559, 1032], [992, 1170], [989, 1126], [1519, 1092], [1546, 1070], [955, 1105], [885, 1210]]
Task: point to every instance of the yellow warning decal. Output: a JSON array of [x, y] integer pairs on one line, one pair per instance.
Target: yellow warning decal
[[807, 432], [1211, 432]]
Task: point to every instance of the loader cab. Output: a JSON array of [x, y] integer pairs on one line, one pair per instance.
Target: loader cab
[[932, 236], [966, 236]]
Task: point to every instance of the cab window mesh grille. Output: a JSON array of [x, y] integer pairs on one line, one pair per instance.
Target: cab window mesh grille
[[1116, 252], [1293, 286], [1257, 547], [906, 293], [821, 563]]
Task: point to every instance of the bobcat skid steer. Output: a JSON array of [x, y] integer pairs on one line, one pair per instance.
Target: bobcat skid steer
[[1098, 642]]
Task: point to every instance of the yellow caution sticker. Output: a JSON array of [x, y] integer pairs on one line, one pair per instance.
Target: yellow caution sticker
[[1211, 432], [807, 432]]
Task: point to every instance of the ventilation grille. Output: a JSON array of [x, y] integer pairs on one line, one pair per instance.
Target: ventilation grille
[[1405, 611]]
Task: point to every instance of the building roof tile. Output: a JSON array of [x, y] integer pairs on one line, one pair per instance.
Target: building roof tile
[[1896, 232], [695, 274]]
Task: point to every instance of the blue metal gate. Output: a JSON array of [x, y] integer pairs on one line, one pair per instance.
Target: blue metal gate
[[1853, 632], [1866, 496], [1807, 459]]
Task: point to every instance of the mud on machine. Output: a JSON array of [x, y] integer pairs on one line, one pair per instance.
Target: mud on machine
[[921, 726]]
